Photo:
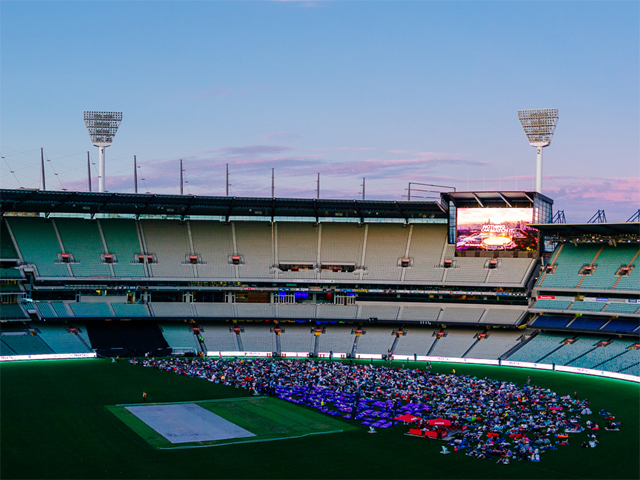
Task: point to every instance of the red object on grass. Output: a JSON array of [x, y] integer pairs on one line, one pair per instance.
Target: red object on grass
[[439, 421], [407, 418]]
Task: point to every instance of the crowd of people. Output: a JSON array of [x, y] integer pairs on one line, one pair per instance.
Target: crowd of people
[[491, 419]]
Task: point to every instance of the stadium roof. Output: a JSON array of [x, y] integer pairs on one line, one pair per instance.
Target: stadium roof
[[586, 229], [182, 205], [493, 199]]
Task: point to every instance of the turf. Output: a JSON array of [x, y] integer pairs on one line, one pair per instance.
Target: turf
[[266, 417], [55, 424]]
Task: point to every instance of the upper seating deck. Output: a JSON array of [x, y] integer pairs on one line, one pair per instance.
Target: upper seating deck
[[386, 245], [82, 239], [213, 243], [121, 238], [168, 240], [254, 242], [606, 260], [345, 252], [7, 249], [38, 242]]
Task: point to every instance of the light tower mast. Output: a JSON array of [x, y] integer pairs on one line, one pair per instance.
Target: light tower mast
[[102, 127], [539, 126]]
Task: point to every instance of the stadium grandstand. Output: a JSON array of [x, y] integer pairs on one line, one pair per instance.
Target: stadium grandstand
[[477, 276]]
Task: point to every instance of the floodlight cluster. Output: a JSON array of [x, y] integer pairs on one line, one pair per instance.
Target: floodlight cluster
[[102, 126], [539, 125]]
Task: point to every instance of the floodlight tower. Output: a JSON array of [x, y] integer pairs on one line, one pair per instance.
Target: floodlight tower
[[102, 127], [539, 126]]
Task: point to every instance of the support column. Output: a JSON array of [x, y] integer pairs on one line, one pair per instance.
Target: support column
[[539, 169], [101, 169]]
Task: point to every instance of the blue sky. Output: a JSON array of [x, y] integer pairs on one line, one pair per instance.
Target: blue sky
[[391, 91]]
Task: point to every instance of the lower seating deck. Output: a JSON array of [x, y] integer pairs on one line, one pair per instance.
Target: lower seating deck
[[595, 351]]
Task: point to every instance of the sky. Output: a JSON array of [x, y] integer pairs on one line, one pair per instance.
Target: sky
[[390, 91]]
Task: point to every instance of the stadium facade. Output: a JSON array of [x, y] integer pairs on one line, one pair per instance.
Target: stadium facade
[[476, 277]]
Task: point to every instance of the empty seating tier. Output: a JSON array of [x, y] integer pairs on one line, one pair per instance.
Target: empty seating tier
[[218, 337], [510, 271], [82, 239], [545, 304], [12, 311], [341, 244], [7, 249], [538, 347], [255, 245], [296, 338], [121, 237], [588, 323], [620, 307], [180, 337], [296, 311], [569, 262], [495, 344], [503, 316], [258, 338], [213, 243], [25, 344], [571, 351], [337, 339], [215, 310], [380, 312], [10, 273], [376, 340], [61, 309], [172, 309], [461, 315], [386, 245], [467, 271], [417, 341], [58, 337], [130, 310], [46, 310], [607, 265], [455, 343], [39, 245], [425, 251], [551, 321], [90, 309], [168, 241]]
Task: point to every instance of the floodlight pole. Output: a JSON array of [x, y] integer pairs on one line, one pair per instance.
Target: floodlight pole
[[102, 128], [539, 126], [539, 169], [135, 174], [101, 169], [273, 183], [227, 176], [318, 187]]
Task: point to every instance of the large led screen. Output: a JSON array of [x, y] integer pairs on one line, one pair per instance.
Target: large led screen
[[496, 229]]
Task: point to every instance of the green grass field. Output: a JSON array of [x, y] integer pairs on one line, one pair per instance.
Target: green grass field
[[266, 417], [58, 421]]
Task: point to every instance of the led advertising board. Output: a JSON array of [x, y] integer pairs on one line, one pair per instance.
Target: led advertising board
[[496, 229]]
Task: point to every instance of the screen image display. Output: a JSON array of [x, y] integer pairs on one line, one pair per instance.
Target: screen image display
[[496, 229]]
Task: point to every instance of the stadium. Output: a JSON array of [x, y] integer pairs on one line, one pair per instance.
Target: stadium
[[88, 278], [320, 246]]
